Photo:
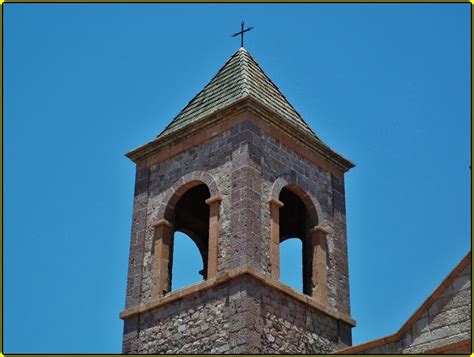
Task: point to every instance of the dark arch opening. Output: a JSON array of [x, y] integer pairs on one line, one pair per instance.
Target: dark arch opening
[[191, 217], [295, 223]]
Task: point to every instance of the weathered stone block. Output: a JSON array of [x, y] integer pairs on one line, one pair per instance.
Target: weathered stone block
[[441, 332]]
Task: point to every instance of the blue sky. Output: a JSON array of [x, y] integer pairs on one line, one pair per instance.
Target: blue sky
[[386, 85]]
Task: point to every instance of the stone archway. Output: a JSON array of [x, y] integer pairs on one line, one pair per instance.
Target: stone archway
[[190, 205], [295, 213]]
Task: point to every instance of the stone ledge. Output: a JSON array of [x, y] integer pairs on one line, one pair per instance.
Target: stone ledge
[[319, 229], [276, 202], [226, 277], [214, 123], [162, 222], [214, 199]]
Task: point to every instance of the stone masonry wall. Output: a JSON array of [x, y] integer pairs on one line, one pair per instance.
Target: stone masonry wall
[[273, 160], [213, 157], [135, 260], [239, 316], [209, 322], [244, 163], [289, 326], [447, 321]]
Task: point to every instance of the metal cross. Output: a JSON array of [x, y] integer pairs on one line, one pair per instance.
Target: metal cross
[[241, 33]]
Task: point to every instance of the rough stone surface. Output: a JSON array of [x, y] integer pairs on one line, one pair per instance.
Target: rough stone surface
[[447, 321], [135, 262], [200, 323], [276, 161], [245, 163], [242, 164], [290, 327], [240, 316]]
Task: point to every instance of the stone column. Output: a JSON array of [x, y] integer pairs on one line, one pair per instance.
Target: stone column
[[162, 258], [275, 206], [214, 204], [319, 265]]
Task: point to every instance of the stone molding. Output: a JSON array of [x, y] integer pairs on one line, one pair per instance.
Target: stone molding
[[271, 123], [213, 199], [413, 318], [276, 202], [317, 229], [226, 277], [162, 222]]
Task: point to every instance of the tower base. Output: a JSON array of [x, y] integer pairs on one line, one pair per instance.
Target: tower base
[[242, 312]]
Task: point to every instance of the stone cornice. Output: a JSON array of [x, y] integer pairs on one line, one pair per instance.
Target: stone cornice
[[301, 136], [221, 116], [226, 277], [189, 130]]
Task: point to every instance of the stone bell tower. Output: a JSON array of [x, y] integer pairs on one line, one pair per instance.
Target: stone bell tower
[[239, 171]]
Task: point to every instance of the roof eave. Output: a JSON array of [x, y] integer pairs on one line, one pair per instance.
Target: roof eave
[[310, 140], [259, 108], [199, 124]]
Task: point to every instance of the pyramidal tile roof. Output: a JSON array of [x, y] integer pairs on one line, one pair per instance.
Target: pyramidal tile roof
[[240, 77]]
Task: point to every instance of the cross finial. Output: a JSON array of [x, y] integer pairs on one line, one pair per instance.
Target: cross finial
[[241, 33]]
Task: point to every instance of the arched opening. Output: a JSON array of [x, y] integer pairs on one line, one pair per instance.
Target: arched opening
[[187, 262], [295, 222], [188, 208], [291, 263], [191, 219]]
